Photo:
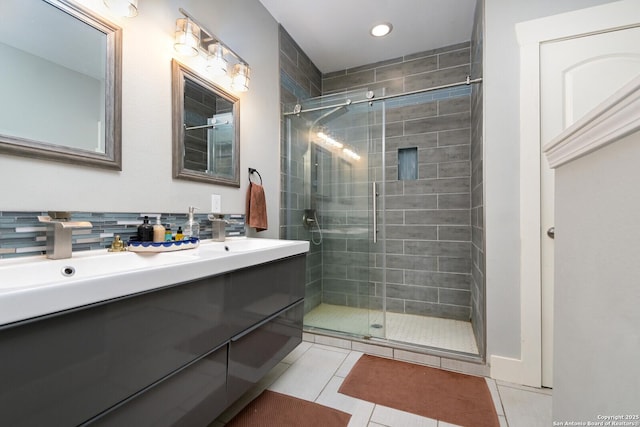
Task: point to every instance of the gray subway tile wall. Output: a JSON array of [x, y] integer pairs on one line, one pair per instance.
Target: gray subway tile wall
[[21, 234], [299, 80], [477, 200]]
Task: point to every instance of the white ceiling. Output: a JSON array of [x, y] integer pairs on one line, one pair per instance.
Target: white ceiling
[[335, 33]]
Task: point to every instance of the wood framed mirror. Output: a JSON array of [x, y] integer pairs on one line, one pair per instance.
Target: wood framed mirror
[[62, 89], [206, 129]]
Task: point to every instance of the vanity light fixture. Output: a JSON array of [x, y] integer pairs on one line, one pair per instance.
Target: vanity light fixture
[[126, 8], [240, 77], [192, 39], [330, 141], [216, 64], [381, 30], [351, 153], [187, 37]]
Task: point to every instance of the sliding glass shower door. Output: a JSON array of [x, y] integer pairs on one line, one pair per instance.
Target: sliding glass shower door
[[334, 179]]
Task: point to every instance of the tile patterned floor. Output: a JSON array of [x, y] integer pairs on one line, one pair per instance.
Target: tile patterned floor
[[315, 372], [447, 334]]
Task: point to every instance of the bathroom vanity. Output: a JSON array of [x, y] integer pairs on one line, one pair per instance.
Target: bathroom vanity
[[167, 344]]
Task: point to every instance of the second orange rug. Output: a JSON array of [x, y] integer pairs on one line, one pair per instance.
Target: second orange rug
[[447, 396]]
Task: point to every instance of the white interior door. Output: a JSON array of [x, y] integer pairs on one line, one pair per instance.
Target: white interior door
[[576, 75]]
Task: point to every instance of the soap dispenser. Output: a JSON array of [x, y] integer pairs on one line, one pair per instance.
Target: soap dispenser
[[158, 231], [145, 231], [191, 228]]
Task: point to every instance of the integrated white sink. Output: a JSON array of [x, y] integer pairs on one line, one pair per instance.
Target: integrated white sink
[[243, 245], [35, 286], [40, 271]]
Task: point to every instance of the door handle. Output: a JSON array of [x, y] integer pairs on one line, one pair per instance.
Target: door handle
[[374, 195], [551, 232]]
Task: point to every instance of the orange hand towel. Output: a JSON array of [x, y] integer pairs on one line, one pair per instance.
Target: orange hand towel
[[256, 207]]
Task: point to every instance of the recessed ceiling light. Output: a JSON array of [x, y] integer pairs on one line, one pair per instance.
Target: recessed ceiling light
[[381, 30]]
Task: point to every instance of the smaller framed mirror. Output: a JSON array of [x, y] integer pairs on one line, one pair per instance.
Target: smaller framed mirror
[[206, 129]]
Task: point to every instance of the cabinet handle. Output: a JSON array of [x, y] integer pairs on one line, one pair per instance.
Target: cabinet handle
[[551, 232]]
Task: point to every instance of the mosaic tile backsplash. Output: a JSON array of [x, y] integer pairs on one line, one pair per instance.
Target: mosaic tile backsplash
[[22, 235]]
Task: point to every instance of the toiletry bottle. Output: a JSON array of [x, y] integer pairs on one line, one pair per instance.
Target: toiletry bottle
[[191, 228], [179, 234], [158, 231], [168, 235], [145, 231]]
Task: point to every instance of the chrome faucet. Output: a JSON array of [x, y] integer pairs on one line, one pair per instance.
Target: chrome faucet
[[59, 231], [218, 226]]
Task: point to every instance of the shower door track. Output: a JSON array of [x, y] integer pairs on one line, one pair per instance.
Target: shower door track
[[467, 82]]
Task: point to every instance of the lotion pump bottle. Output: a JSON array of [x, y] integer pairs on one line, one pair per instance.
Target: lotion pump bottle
[[158, 231], [191, 228]]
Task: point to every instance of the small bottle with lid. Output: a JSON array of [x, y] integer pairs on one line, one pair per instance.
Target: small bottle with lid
[[179, 234], [191, 228], [145, 231], [158, 231], [168, 235]]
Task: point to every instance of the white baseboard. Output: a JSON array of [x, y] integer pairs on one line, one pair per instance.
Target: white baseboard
[[506, 369]]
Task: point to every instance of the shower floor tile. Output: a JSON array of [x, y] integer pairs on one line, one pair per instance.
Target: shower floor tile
[[448, 334]]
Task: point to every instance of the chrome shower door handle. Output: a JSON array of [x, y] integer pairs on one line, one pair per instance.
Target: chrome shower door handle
[[374, 203]]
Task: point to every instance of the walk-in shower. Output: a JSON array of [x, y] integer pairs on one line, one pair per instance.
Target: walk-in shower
[[381, 186]]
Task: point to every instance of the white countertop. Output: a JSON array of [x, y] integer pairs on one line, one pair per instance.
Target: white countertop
[[36, 286]]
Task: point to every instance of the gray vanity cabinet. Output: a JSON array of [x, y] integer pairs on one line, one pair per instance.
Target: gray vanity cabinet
[[155, 358]]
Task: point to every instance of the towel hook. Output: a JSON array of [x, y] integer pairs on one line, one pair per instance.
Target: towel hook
[[252, 170]]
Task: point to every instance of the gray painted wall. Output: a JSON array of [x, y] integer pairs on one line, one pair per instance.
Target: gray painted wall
[[145, 183], [597, 291]]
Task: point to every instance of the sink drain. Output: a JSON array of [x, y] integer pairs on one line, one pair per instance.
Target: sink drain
[[68, 271]]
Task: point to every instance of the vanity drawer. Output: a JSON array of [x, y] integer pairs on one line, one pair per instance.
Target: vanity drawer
[[256, 293], [253, 353], [192, 397]]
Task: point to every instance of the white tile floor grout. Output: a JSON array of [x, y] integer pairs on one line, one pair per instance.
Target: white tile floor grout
[[428, 331], [314, 372]]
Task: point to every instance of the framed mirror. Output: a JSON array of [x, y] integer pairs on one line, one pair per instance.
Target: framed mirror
[[206, 129], [61, 93]]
